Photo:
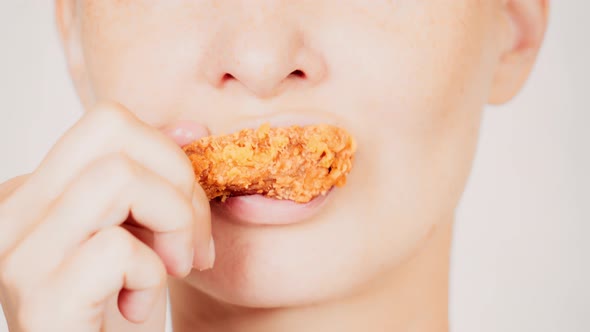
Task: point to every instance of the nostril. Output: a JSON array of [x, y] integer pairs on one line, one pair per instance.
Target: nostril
[[298, 73], [227, 77]]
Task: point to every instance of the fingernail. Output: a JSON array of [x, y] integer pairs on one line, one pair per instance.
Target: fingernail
[[190, 262], [211, 253], [206, 260]]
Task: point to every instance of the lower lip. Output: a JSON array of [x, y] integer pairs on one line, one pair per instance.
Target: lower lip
[[261, 210]]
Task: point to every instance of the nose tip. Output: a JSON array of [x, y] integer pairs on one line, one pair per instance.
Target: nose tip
[[265, 61]]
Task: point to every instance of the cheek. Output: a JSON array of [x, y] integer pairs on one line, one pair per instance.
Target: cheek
[[145, 55], [418, 85]]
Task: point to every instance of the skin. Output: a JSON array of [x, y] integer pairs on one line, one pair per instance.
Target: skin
[[415, 73]]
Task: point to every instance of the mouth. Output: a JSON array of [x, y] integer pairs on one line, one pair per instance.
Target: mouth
[[307, 163]]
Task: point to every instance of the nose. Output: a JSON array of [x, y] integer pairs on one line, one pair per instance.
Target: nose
[[263, 58]]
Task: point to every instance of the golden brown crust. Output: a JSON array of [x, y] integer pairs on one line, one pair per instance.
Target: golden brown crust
[[294, 163]]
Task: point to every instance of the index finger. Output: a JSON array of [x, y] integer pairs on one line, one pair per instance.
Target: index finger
[[108, 129]]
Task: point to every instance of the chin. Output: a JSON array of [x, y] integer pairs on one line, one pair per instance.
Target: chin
[[284, 265], [336, 252]]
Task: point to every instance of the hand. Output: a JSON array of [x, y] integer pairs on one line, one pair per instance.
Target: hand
[[110, 211]]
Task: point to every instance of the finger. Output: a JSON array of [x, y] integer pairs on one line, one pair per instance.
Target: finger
[[110, 261], [106, 130], [8, 224], [137, 306], [204, 255], [115, 321], [105, 195], [111, 128]]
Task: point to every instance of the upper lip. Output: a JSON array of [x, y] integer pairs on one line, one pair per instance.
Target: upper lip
[[281, 119]]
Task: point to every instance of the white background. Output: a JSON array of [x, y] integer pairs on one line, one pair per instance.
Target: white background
[[521, 259]]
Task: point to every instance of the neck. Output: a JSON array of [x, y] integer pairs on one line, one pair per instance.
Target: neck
[[410, 298]]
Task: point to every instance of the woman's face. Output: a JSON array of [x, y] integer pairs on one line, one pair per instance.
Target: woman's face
[[407, 78]]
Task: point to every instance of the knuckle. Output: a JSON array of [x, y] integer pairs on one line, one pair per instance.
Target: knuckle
[[110, 115], [120, 242], [118, 168], [109, 120]]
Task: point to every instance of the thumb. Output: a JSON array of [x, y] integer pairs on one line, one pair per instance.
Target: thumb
[[115, 321]]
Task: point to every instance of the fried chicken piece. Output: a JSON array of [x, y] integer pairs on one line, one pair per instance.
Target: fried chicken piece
[[294, 163]]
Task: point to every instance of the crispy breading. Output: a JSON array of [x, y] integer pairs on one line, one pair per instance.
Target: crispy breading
[[293, 163]]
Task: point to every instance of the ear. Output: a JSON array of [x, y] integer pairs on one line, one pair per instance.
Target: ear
[[68, 24], [525, 22]]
